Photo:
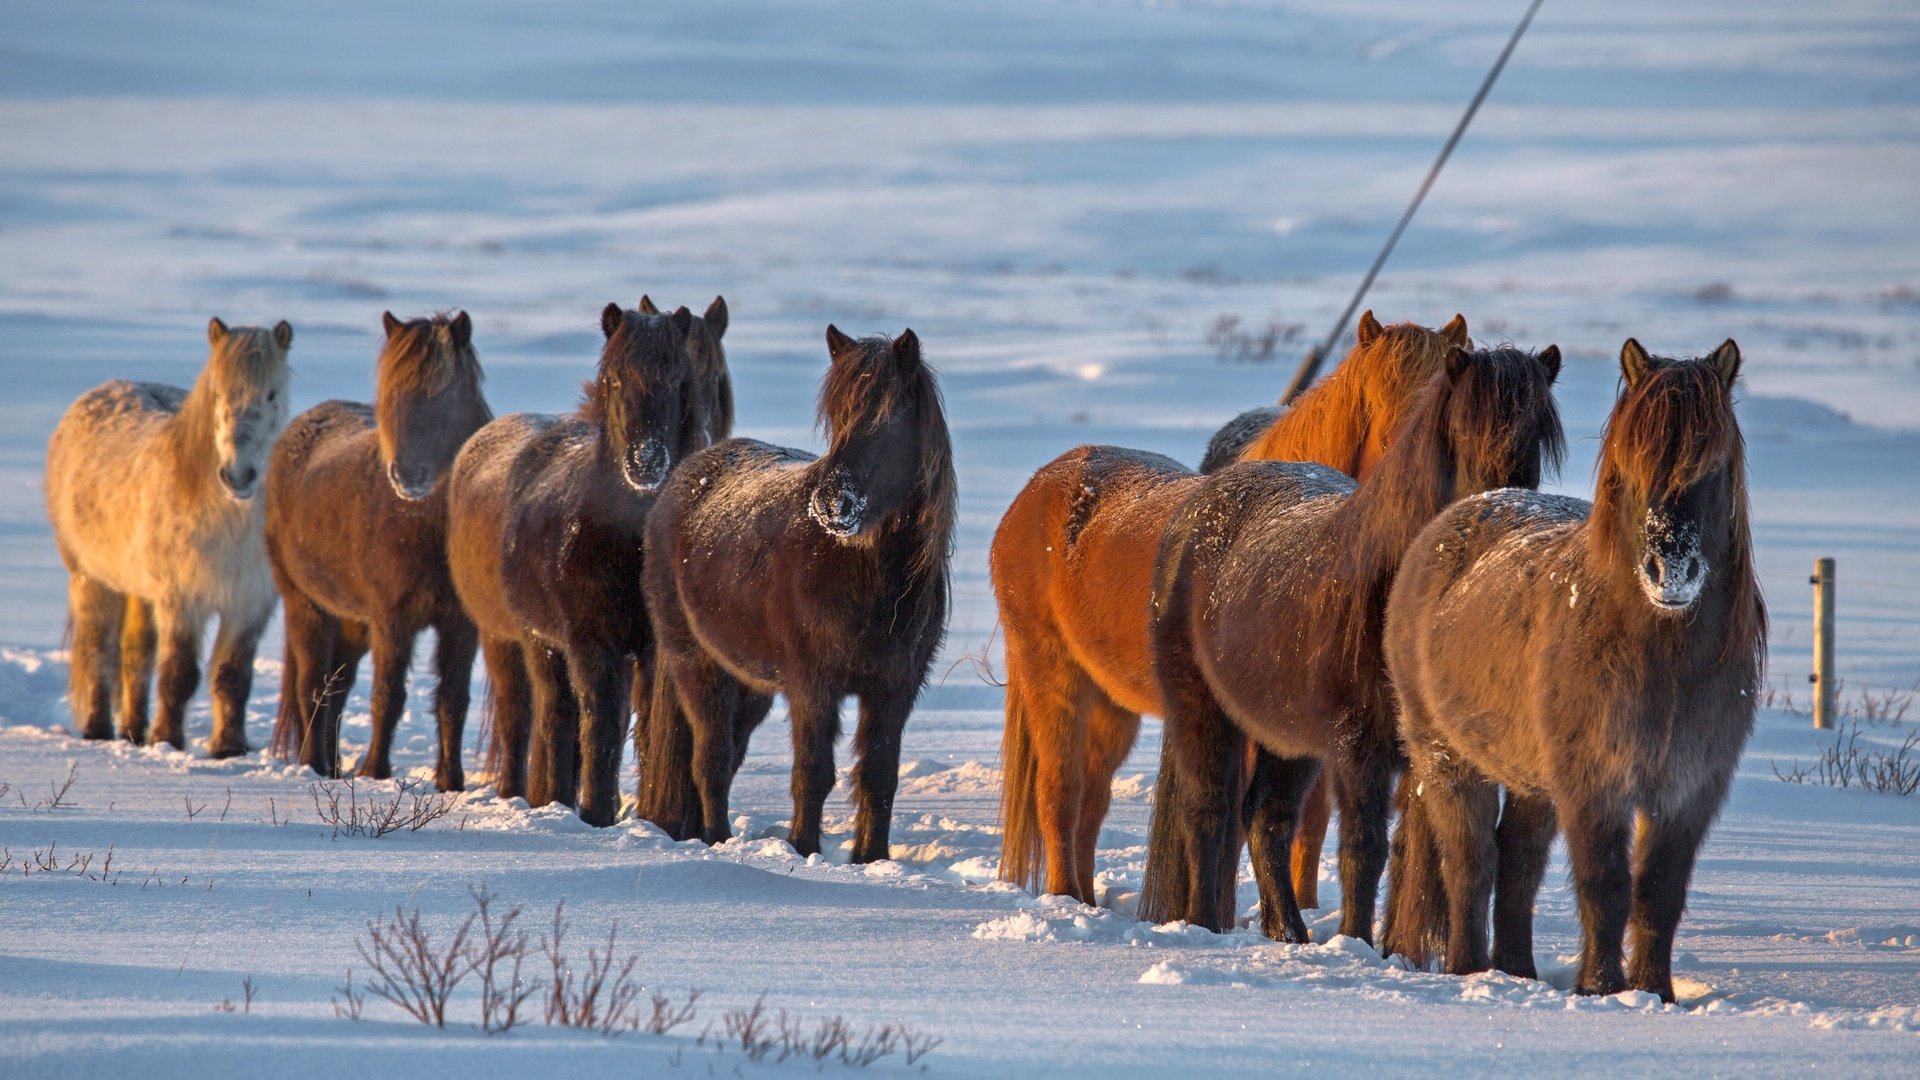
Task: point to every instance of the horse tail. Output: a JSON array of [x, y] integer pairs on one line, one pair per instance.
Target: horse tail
[[663, 753], [488, 746], [1021, 848], [1163, 890], [1416, 910]]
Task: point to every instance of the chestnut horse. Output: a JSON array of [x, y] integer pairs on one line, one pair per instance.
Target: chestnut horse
[[1072, 563], [151, 491], [819, 578], [1600, 661], [1268, 597], [356, 533], [546, 518]]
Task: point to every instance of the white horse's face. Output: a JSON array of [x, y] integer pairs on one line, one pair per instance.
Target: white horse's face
[[247, 421]]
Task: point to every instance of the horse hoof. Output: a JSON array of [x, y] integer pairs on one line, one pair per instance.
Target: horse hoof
[[451, 782], [227, 750], [97, 733]]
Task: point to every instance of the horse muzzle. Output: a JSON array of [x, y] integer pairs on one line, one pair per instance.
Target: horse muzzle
[[410, 484], [1673, 581], [646, 465], [240, 483], [838, 508]]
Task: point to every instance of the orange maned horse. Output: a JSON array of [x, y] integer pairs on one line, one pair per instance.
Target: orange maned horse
[[1072, 568]]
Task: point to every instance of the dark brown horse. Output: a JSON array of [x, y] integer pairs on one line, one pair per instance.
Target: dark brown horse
[[1600, 662], [547, 519], [818, 578], [1072, 566], [356, 534], [1267, 605]]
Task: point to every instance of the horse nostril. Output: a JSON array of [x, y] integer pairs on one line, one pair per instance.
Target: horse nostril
[[1693, 567], [1652, 568], [247, 479]]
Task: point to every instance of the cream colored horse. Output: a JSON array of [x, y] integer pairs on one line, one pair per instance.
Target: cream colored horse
[[152, 492]]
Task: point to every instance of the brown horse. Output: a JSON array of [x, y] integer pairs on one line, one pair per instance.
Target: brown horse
[[1600, 662], [819, 578], [1072, 563], [546, 516], [356, 533], [1268, 598]]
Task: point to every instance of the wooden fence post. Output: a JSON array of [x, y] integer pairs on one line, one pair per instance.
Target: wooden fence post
[[1826, 684]]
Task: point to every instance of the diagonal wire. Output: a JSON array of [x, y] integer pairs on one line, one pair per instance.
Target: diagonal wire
[[1310, 367]]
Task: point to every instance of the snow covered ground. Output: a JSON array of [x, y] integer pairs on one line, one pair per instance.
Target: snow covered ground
[[1061, 198]]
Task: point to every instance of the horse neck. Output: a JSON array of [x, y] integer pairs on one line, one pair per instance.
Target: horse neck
[[1409, 487]]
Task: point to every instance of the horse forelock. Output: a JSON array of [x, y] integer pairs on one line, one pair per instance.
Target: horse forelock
[[642, 351], [1367, 394], [1673, 430], [421, 360], [249, 357]]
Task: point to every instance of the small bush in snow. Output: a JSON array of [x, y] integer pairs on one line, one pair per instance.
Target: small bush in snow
[[351, 812], [1846, 765]]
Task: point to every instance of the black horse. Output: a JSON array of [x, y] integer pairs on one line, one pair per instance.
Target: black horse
[[770, 570]]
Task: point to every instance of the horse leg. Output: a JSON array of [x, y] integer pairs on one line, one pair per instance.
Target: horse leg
[[455, 641], [512, 699], [815, 716], [749, 713], [179, 676], [233, 651], [392, 656], [553, 756], [350, 645], [1059, 732], [137, 646], [601, 679], [1273, 804], [1365, 791], [883, 718], [1462, 808], [1209, 753], [1524, 837], [1111, 731], [1597, 839], [95, 612], [1663, 865], [1309, 839], [709, 698]]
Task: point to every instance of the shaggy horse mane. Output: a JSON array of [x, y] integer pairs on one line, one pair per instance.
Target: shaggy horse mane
[[1330, 422], [1508, 393], [636, 336], [865, 385]]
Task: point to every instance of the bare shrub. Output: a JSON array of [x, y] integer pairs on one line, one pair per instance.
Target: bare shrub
[[600, 998], [496, 956], [666, 1015], [412, 972], [247, 990], [1846, 765], [1233, 342], [349, 812], [752, 1028], [348, 1003]]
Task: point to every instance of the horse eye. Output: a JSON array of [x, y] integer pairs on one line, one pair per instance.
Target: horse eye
[[273, 396]]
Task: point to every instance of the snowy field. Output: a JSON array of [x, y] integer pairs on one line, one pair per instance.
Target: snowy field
[[1061, 198]]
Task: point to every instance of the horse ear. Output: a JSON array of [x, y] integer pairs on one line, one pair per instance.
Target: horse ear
[[1370, 328], [610, 317], [716, 317], [1634, 363], [1456, 331], [906, 348], [283, 334], [461, 330], [216, 331], [1458, 361], [646, 305], [1726, 360], [1550, 356], [390, 324], [837, 342], [682, 320]]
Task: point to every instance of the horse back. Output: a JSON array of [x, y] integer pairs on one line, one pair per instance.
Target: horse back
[[1245, 566], [1072, 561]]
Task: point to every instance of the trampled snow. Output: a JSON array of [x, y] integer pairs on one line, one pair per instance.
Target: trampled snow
[[1060, 198]]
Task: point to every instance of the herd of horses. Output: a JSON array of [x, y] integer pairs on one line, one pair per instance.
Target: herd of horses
[[1360, 601]]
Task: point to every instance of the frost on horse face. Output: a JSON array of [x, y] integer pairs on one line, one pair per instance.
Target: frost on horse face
[[1672, 567]]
